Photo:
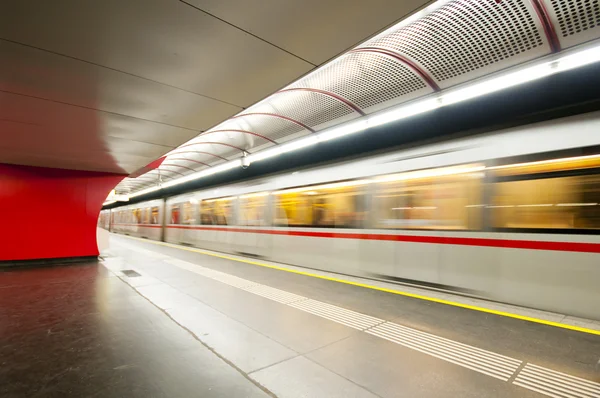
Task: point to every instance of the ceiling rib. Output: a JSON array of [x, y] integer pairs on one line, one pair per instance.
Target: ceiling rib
[[190, 160], [453, 43], [176, 152], [401, 58], [214, 143], [341, 99], [239, 131], [169, 171], [544, 17], [304, 126], [176, 165]]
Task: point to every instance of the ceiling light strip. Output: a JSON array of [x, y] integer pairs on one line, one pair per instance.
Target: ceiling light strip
[[557, 63]]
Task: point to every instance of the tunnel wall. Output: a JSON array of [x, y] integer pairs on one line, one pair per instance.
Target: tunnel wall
[[50, 213]]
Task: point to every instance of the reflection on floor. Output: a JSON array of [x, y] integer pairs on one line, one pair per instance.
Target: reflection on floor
[[79, 331], [159, 321]]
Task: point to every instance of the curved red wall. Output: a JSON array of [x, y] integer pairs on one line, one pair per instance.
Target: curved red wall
[[50, 213]]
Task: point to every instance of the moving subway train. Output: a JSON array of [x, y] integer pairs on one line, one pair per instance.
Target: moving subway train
[[513, 216]]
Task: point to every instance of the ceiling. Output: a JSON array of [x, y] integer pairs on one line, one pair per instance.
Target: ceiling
[[448, 43], [113, 85]]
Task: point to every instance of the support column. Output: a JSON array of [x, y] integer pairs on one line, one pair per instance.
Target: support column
[[50, 213]]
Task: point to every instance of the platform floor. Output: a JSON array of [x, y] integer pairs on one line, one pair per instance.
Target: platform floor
[[151, 320]]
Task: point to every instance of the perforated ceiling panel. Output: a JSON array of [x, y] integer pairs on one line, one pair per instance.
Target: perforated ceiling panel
[[576, 21], [309, 108], [450, 42], [465, 39], [275, 128], [367, 80]]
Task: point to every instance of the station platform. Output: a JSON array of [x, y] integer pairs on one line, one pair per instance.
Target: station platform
[[153, 319]]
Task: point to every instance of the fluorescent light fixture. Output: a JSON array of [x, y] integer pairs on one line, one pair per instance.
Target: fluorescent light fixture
[[299, 143], [145, 191], [579, 59], [540, 205], [567, 60], [488, 86], [345, 129], [232, 164], [266, 154], [403, 112]]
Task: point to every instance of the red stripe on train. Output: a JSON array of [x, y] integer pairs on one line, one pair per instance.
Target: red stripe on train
[[441, 240]]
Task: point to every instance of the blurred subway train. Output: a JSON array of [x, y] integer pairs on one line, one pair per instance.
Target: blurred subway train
[[512, 216]]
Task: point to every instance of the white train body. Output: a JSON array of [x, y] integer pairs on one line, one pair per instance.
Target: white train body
[[531, 253]]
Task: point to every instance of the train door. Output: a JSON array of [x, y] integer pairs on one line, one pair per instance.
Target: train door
[[254, 219], [190, 218]]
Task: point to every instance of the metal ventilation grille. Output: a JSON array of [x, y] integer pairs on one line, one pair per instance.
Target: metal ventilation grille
[[243, 138], [269, 126], [450, 42], [215, 149], [311, 109], [367, 80], [578, 20], [469, 35], [240, 140]]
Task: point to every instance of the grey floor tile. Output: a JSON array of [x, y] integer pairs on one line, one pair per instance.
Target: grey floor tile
[[244, 347], [391, 370], [302, 378]]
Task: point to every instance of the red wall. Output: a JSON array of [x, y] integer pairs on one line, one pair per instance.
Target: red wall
[[50, 213]]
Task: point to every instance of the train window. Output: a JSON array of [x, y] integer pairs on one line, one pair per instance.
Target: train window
[[547, 203], [146, 216], [217, 212], [189, 217], [134, 216], [154, 215], [338, 205], [446, 199], [253, 209], [175, 214]]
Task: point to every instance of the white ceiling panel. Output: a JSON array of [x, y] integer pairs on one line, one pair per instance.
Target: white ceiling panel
[[165, 41], [312, 29], [30, 71]]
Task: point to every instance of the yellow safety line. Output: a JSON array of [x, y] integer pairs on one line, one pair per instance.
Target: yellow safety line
[[381, 289]]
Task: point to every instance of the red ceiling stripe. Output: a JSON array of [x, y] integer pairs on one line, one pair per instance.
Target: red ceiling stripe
[[176, 152], [289, 119], [176, 165], [544, 17], [214, 143], [239, 131], [190, 160], [345, 101], [401, 58]]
